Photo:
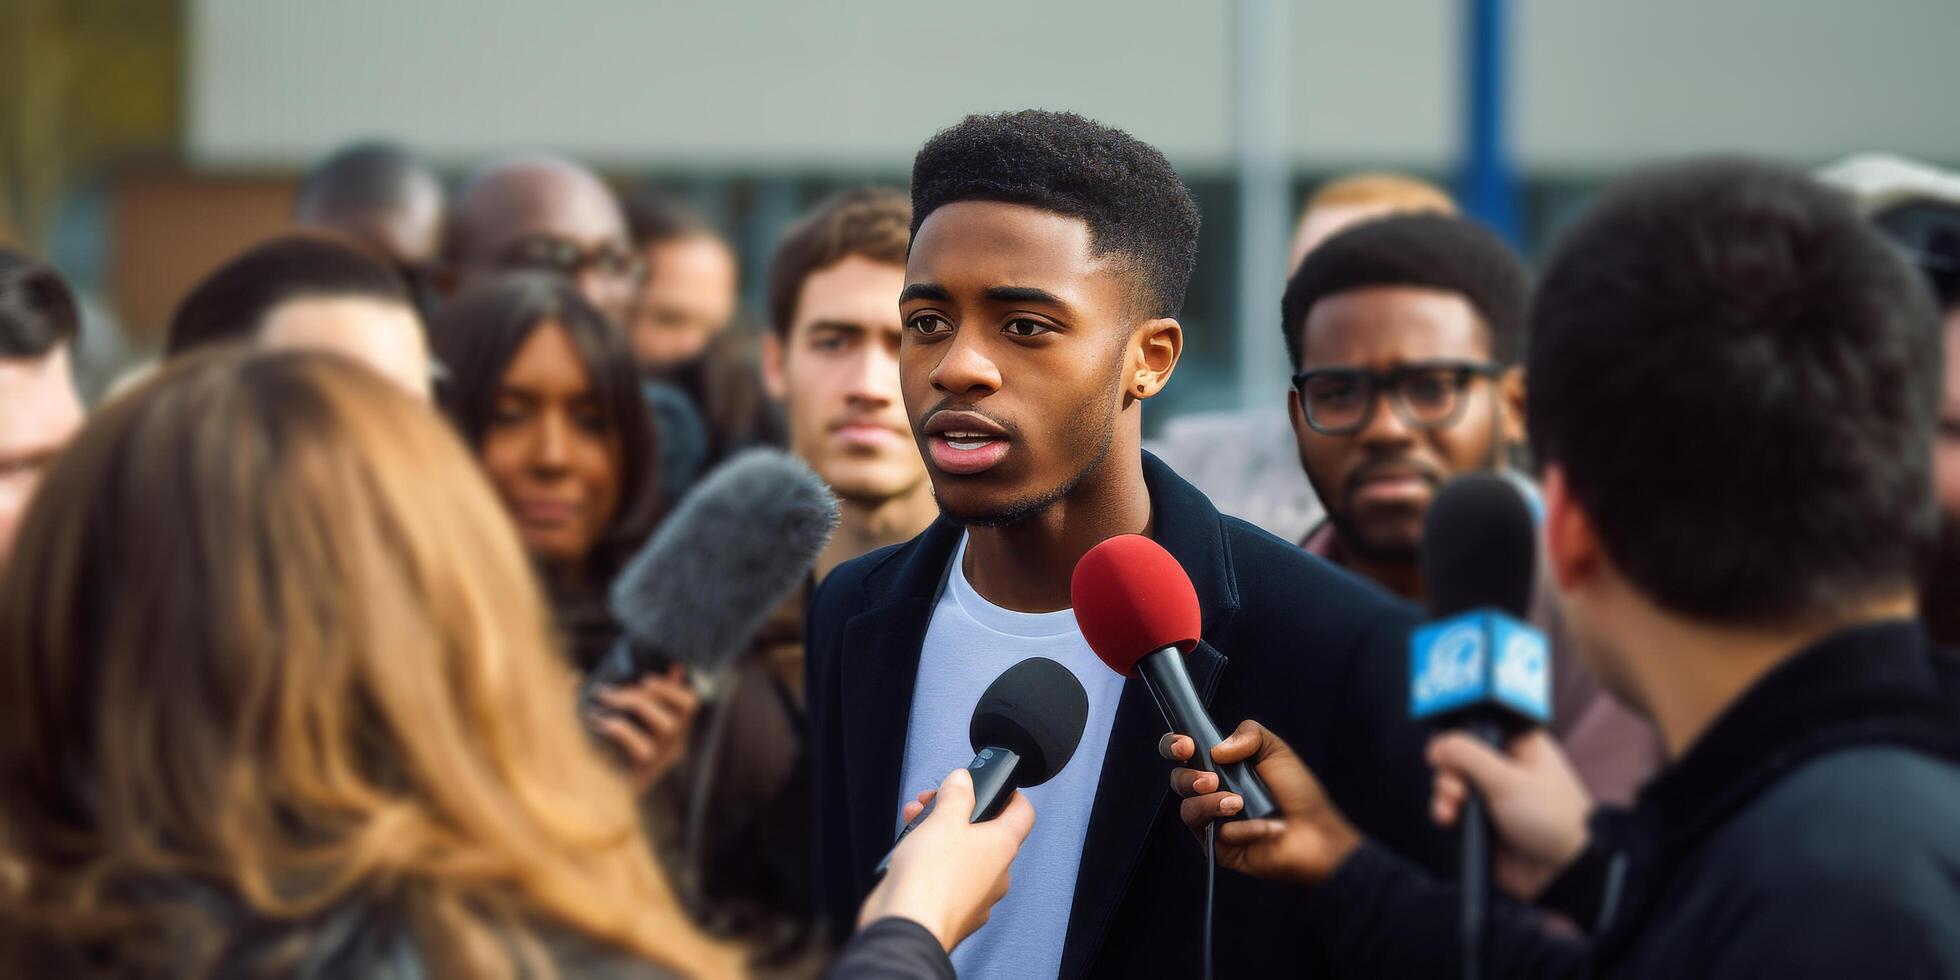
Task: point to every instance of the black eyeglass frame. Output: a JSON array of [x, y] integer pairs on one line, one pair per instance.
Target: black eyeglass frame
[[1390, 382], [545, 253]]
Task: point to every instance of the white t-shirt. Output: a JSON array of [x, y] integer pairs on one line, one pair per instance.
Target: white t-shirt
[[972, 641]]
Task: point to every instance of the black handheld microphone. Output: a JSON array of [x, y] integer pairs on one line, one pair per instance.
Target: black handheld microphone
[[696, 594], [1024, 731], [1478, 665], [1138, 611]]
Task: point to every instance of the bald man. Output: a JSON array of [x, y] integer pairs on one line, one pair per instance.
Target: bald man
[[548, 214]]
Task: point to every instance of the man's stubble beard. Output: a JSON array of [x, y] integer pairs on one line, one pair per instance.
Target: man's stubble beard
[[1028, 508]]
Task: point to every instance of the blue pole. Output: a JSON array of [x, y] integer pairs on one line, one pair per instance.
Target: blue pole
[[1488, 183]]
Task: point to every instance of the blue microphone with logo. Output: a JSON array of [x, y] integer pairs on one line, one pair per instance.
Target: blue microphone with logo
[[1478, 665]]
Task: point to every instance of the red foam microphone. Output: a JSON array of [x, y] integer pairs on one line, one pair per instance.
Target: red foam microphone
[[1137, 610]]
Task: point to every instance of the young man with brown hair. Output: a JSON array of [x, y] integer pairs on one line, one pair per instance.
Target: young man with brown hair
[[831, 356]]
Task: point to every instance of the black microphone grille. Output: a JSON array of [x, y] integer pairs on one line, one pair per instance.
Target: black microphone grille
[[1036, 708], [1479, 547]]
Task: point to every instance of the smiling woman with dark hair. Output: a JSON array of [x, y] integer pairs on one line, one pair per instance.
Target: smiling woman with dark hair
[[544, 390]]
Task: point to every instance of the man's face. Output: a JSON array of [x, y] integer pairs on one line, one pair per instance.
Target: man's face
[[1378, 481], [689, 296], [552, 220], [386, 337], [838, 372], [1015, 335], [42, 413]]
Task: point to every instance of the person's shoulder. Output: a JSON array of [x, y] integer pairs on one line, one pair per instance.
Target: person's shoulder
[[1860, 808], [1844, 867], [1872, 824], [1278, 581]]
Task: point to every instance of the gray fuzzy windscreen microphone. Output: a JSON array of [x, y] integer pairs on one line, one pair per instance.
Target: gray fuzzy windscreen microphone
[[740, 542]]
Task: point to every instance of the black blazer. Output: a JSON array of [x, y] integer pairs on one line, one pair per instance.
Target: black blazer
[[1315, 654]]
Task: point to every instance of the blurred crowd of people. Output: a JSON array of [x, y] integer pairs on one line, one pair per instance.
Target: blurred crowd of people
[[291, 622], [579, 342]]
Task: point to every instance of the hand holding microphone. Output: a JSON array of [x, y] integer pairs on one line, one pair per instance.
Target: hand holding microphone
[[648, 723], [1305, 841], [692, 599], [1535, 801], [950, 871], [1024, 730], [1138, 611], [1478, 667]]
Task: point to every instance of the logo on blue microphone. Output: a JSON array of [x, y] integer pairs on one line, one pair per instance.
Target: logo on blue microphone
[[1524, 674], [1451, 666], [1448, 669]]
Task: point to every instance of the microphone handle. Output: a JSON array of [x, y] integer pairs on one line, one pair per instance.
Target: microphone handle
[[1170, 685], [1473, 873], [992, 770], [623, 664]]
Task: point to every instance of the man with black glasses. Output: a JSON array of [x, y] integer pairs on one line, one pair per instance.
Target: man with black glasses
[[543, 214], [1404, 335]]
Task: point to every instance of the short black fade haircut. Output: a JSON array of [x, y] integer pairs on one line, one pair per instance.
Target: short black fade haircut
[[1123, 188], [37, 311], [1431, 251], [1740, 380]]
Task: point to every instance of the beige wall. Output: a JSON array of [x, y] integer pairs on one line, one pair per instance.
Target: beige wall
[[168, 230], [853, 83]]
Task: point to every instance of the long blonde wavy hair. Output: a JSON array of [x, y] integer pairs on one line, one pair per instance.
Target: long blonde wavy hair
[[267, 630]]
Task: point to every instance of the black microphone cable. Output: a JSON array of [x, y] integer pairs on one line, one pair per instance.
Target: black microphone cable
[[1474, 873], [1211, 880]]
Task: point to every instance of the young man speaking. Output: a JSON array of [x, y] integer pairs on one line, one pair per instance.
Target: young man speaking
[[1049, 259]]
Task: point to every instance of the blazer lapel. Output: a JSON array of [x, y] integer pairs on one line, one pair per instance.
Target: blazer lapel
[[1135, 781], [1131, 794], [879, 665], [881, 662]]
